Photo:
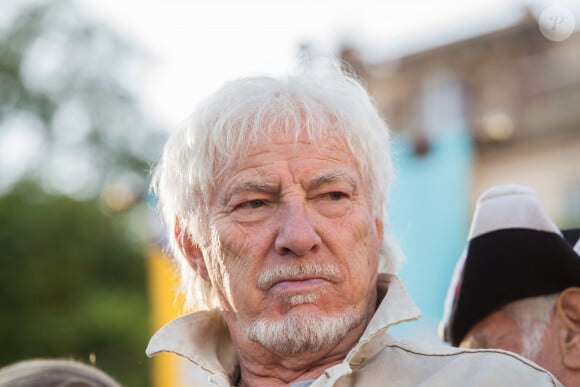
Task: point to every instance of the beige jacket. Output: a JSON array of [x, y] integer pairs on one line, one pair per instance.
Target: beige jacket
[[377, 360]]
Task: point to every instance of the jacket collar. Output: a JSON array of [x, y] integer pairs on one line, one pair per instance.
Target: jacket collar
[[203, 338]]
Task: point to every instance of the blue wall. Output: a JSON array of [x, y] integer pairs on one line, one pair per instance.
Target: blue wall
[[429, 214]]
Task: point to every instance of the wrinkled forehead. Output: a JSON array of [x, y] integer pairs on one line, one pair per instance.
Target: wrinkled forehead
[[323, 132], [326, 140]]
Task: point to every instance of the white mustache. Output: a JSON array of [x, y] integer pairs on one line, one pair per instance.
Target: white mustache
[[286, 272]]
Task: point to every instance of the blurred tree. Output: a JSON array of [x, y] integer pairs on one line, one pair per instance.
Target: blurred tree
[[74, 145], [71, 285], [68, 114]]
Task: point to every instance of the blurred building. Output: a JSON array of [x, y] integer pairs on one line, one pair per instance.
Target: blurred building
[[515, 91]]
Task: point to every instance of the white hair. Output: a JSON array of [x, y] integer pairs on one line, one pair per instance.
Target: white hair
[[245, 112], [532, 315], [54, 373]]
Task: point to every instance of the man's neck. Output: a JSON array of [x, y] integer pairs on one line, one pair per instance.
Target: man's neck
[[260, 366], [253, 374]]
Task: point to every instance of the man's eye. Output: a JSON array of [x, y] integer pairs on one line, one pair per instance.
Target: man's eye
[[335, 195], [254, 210], [255, 203]]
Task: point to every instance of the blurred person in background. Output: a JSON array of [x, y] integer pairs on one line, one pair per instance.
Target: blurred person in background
[[54, 373], [273, 193], [517, 286]]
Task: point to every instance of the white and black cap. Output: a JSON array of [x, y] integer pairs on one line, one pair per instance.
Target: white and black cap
[[514, 251]]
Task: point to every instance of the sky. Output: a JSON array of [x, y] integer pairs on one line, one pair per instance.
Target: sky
[[196, 45]]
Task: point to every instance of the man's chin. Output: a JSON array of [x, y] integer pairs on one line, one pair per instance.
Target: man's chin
[[300, 331]]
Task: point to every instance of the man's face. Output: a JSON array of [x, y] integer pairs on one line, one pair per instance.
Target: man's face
[[496, 330], [294, 245]]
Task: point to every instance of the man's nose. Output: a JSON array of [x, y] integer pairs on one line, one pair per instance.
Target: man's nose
[[296, 233]]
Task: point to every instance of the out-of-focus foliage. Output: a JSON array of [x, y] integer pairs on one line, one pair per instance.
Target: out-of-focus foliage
[[72, 139], [71, 285], [68, 114]]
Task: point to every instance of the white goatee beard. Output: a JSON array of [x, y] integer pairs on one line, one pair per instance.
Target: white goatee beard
[[298, 333]]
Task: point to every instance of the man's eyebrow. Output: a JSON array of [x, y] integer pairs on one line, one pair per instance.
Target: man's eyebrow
[[338, 175], [250, 186]]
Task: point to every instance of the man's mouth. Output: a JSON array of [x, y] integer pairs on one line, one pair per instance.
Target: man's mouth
[[297, 278], [299, 284]]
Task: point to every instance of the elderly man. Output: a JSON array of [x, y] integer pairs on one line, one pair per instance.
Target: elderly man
[[517, 287], [273, 193]]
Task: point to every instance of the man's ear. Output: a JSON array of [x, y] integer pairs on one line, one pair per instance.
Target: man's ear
[[191, 251], [568, 312]]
